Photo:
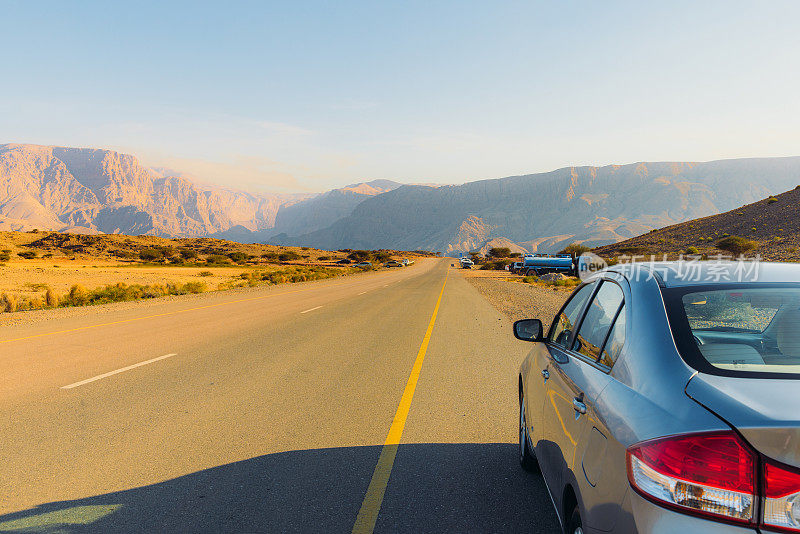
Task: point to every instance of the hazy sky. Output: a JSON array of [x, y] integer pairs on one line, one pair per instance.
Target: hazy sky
[[299, 95]]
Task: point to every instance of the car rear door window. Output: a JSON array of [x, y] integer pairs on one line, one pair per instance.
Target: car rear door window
[[564, 324], [598, 320], [615, 340]]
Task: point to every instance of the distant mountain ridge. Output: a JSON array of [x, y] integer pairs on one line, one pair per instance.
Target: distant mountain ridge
[[546, 211], [92, 190]]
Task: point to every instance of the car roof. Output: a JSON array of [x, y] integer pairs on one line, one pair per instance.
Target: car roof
[[696, 272]]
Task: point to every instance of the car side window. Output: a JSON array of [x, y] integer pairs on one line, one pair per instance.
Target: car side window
[[598, 320], [615, 340], [564, 323]]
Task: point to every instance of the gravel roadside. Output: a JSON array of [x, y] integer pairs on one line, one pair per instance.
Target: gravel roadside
[[520, 301]]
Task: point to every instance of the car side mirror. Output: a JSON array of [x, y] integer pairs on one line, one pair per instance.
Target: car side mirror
[[529, 330]]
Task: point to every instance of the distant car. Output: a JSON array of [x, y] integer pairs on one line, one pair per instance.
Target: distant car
[[344, 261], [405, 261], [394, 263], [363, 265], [665, 399], [466, 263]]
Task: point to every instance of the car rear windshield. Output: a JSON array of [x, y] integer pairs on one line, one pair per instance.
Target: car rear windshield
[[739, 331]]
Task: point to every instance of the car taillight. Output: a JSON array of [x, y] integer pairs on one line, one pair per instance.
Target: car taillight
[[781, 497], [711, 474]]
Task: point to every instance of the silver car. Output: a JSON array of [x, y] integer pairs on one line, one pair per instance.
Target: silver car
[[665, 399]]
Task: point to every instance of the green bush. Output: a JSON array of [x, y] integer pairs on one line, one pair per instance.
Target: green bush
[[27, 254], [151, 254], [692, 250], [500, 252], [289, 255], [205, 273], [736, 245], [360, 255], [187, 253], [238, 257], [575, 250], [772, 200], [121, 292], [218, 259]]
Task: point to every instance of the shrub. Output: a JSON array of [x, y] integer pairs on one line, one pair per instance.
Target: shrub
[[381, 256], [691, 250], [324, 258], [78, 295], [205, 273], [360, 255], [151, 254], [124, 254], [194, 287], [27, 254], [500, 252], [289, 255], [187, 253], [497, 265], [736, 244], [218, 259], [772, 200], [4, 256], [50, 298], [9, 303], [238, 257]]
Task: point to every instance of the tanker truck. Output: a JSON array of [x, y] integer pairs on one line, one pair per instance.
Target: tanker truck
[[540, 264]]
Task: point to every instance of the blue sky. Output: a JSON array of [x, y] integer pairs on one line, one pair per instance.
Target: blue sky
[[297, 96]]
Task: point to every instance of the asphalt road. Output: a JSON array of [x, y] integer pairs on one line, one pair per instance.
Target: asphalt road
[[271, 410]]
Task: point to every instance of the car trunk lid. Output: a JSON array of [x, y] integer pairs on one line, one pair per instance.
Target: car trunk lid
[[766, 411]]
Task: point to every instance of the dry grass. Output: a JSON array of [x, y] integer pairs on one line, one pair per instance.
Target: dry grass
[[99, 264]]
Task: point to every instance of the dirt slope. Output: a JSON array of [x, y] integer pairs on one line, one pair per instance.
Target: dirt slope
[[773, 224]]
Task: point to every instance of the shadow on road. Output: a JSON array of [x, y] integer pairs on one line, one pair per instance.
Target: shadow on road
[[433, 488]]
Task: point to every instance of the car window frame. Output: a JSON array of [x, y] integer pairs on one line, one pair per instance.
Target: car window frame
[[579, 319], [583, 317], [568, 350], [622, 307]]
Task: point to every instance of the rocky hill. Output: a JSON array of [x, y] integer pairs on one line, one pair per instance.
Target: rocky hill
[[92, 191], [771, 226], [594, 205], [101, 191]]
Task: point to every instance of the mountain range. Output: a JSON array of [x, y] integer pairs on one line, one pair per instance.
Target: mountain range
[[93, 190], [544, 212]]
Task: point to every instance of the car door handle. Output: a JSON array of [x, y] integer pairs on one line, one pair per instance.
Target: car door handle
[[579, 406], [545, 374]]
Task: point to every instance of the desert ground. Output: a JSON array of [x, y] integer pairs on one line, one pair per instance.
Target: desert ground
[[516, 299]]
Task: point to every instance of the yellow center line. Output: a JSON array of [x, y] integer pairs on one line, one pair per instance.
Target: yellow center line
[[368, 514]]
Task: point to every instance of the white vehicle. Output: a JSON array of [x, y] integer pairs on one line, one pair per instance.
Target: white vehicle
[[466, 263]]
